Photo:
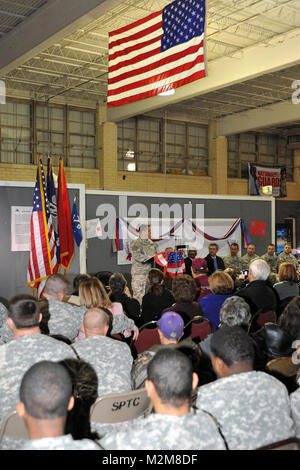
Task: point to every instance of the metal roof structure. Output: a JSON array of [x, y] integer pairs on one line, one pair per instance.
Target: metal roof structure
[[74, 66]]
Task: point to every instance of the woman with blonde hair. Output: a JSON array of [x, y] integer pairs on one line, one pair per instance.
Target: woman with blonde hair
[[92, 294], [221, 286], [288, 279]]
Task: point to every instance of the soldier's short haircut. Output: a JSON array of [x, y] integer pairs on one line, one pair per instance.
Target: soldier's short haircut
[[56, 284], [184, 289], [95, 318], [117, 283], [232, 345], [171, 372], [45, 390], [24, 310], [234, 244]]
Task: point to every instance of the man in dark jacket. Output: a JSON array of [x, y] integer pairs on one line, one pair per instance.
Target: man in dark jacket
[[214, 262], [259, 293]]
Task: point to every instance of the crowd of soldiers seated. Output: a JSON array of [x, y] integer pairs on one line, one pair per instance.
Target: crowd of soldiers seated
[[236, 389]]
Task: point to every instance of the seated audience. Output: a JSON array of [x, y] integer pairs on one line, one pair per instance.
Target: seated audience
[[236, 312], [249, 256], [119, 292], [252, 407], [214, 262], [184, 290], [191, 254], [45, 398], [288, 281], [170, 330], [28, 347], [221, 286], [93, 295], [276, 340], [200, 275], [259, 293], [85, 392], [111, 359], [172, 425], [157, 298], [287, 257]]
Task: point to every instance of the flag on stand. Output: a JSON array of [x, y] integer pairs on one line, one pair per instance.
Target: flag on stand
[[158, 53], [76, 224], [64, 220], [42, 259], [51, 195]]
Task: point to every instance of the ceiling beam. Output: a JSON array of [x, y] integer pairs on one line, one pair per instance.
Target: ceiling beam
[[266, 116], [51, 23], [281, 52]]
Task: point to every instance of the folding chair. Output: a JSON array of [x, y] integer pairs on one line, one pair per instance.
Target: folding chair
[[201, 327], [147, 338], [260, 319], [13, 427], [119, 407]]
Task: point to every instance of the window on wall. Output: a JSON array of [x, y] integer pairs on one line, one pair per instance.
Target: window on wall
[[157, 145], [50, 131], [30, 129], [82, 129], [15, 133], [264, 149]]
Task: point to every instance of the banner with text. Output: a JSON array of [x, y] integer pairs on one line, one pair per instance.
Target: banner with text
[[262, 178]]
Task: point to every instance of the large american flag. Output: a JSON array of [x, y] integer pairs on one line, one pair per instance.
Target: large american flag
[[158, 53], [42, 260]]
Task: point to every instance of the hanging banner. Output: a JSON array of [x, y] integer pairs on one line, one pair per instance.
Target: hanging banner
[[261, 177]]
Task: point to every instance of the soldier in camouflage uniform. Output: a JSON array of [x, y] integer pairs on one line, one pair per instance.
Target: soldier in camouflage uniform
[[172, 426], [28, 347], [48, 382], [141, 249], [111, 359], [249, 256], [287, 257], [271, 259], [295, 407], [3, 314], [233, 260], [252, 407]]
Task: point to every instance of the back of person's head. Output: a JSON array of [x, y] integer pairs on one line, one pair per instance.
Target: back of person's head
[[156, 278], [171, 373], [260, 269], [171, 325], [85, 391], [77, 280], [56, 284], [117, 283], [23, 310], [184, 289], [96, 320], [289, 321], [235, 312], [45, 391], [287, 272], [92, 293], [232, 345], [221, 283]]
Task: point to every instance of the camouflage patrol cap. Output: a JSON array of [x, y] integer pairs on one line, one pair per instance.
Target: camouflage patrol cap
[[171, 325]]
